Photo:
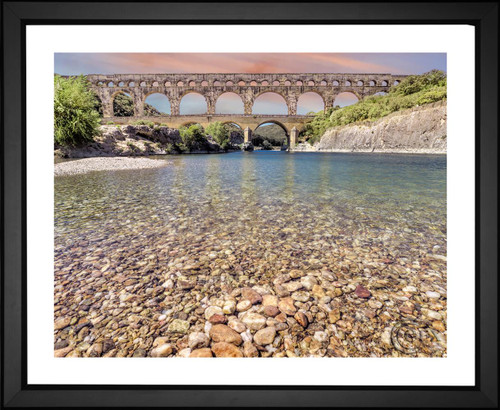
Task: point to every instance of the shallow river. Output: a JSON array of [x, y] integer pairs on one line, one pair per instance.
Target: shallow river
[[222, 222]]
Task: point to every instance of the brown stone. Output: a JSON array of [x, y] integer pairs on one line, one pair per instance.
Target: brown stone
[[223, 333], [271, 311], [286, 306], [223, 349], [253, 296], [301, 319], [249, 350], [217, 319], [265, 336], [204, 352], [362, 292]]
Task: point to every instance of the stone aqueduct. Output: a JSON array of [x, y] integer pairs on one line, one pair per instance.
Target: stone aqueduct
[[247, 86]]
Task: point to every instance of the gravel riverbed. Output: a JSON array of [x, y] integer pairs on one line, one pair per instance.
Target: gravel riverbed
[[82, 166]]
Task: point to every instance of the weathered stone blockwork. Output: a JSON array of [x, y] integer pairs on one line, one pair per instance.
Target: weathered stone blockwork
[[247, 86]]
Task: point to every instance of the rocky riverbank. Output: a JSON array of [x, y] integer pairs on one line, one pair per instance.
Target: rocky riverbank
[[82, 166], [419, 130], [136, 140]]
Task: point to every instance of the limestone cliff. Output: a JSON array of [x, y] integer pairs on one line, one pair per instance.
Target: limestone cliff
[[416, 130]]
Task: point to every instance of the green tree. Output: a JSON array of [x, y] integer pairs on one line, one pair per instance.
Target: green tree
[[76, 115], [123, 105], [192, 136], [219, 132]]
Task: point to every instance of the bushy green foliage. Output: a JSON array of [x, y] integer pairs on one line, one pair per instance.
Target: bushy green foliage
[[266, 145], [413, 91], [219, 132], [76, 119], [123, 105], [150, 124], [192, 136]]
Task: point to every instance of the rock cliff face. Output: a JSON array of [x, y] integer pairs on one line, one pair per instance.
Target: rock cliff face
[[416, 130]]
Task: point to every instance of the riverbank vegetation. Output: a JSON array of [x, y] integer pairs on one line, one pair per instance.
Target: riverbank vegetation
[[76, 114], [413, 91]]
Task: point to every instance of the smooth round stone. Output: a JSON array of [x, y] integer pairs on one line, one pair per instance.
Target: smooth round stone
[[253, 321], [293, 286], [204, 352], [163, 350], [62, 323], [410, 289], [301, 319], [271, 311], [229, 307], [270, 300], [237, 325], [433, 295], [243, 306], [253, 296], [308, 282], [184, 352], [198, 340], [217, 319], [265, 336]]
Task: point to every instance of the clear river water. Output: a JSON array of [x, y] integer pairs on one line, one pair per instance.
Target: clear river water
[[245, 219]]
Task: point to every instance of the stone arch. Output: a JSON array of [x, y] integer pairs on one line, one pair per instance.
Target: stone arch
[[396, 82], [372, 83], [302, 107], [159, 101], [119, 111], [229, 83], [311, 83], [288, 83], [335, 83], [217, 83], [194, 98], [241, 83], [299, 83], [110, 84], [192, 83], [347, 83], [262, 105], [253, 83], [345, 98], [276, 83], [384, 83], [264, 83], [360, 83], [222, 105], [204, 83], [131, 84], [278, 123], [323, 83]]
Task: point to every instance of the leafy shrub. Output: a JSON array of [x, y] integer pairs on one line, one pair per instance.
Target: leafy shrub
[[219, 132], [76, 120], [192, 136]]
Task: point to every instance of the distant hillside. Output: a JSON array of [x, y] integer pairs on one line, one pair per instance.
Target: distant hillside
[[272, 133]]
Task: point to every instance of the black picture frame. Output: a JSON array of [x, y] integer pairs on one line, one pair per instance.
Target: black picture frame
[[16, 16]]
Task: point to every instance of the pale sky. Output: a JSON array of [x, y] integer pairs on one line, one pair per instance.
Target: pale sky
[[157, 63]]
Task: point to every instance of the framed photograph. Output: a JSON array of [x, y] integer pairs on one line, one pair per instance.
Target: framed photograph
[[220, 204]]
